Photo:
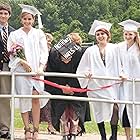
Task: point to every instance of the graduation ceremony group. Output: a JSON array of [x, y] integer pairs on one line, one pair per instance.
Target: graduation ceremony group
[[29, 49]]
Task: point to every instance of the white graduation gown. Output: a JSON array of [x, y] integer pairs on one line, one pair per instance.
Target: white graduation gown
[[130, 61], [91, 62], [36, 52]]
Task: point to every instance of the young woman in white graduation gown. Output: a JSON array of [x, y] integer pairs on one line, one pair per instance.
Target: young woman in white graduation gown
[[129, 55], [34, 44], [101, 60]]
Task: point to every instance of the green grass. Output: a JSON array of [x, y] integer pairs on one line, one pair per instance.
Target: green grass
[[91, 127]]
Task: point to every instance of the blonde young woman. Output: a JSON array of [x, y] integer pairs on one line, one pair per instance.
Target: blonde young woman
[[49, 38], [101, 60], [34, 44], [129, 55]]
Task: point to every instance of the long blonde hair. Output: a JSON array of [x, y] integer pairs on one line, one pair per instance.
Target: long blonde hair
[[75, 38], [137, 39]]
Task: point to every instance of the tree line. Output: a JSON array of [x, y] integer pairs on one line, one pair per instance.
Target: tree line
[[61, 17]]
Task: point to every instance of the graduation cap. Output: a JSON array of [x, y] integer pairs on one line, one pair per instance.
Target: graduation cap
[[97, 25], [130, 25], [32, 10], [66, 47]]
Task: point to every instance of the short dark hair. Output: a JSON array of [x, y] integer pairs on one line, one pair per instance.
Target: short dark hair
[[6, 7], [106, 32]]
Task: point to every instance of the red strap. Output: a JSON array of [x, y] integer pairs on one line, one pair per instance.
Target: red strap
[[72, 89]]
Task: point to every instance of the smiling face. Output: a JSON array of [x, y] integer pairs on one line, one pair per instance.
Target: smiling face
[[27, 20], [129, 36], [4, 16], [101, 36]]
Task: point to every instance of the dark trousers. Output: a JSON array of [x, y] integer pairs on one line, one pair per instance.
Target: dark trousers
[[5, 88]]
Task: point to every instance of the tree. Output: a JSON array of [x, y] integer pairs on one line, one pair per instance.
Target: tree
[[63, 16]]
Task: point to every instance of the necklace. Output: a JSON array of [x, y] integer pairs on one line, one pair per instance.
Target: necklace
[[102, 53], [102, 56]]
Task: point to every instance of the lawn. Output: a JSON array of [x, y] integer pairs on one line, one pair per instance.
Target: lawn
[[91, 126]]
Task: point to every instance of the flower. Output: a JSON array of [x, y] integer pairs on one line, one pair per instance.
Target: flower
[[17, 51]]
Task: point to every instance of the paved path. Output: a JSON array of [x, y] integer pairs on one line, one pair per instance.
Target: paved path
[[19, 135]]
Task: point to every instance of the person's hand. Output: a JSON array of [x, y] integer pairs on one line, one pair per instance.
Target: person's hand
[[40, 70], [67, 90], [123, 77], [88, 75], [14, 45], [25, 65]]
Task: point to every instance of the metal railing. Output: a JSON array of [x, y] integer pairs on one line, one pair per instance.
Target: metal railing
[[87, 44], [13, 96]]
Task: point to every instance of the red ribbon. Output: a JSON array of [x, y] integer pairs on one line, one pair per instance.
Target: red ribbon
[[72, 89]]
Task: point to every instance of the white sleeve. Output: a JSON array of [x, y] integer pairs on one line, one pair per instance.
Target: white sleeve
[[83, 68], [10, 41], [120, 64], [43, 47], [14, 61]]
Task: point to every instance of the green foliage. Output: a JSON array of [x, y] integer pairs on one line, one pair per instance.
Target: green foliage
[[61, 17], [4, 1]]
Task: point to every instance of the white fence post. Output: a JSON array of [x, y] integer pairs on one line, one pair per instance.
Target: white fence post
[[133, 109], [12, 105]]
